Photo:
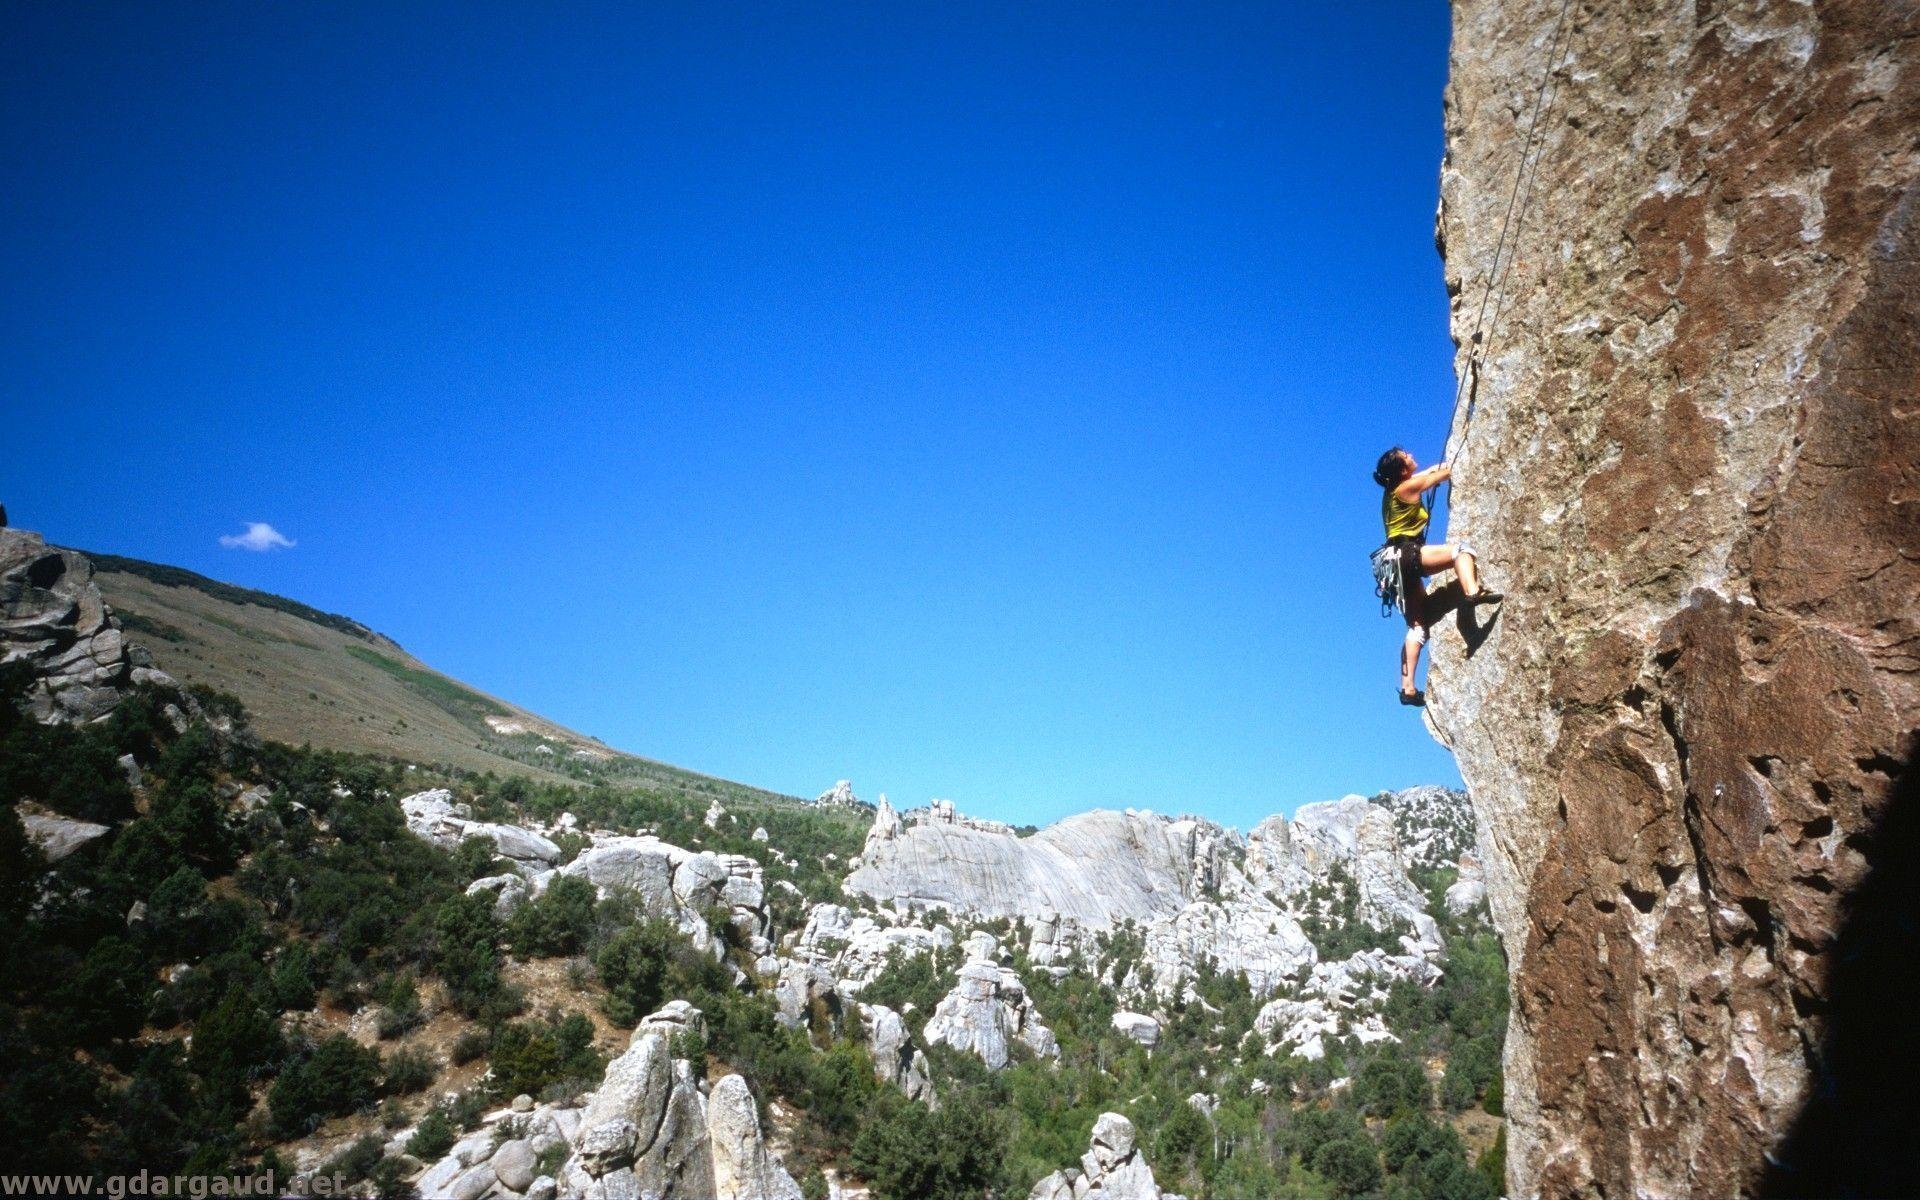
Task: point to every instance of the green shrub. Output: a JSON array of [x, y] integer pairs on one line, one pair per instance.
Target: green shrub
[[70, 770], [917, 980], [470, 1045], [1494, 1101], [464, 955], [550, 1161], [466, 1109], [399, 1008], [433, 1137], [389, 1180], [409, 1071], [1180, 1137], [1391, 1086], [529, 1056], [1492, 1163], [357, 1161], [107, 997], [339, 1077], [292, 977], [476, 858], [647, 964], [1350, 1163], [141, 858], [232, 1044], [908, 1153], [557, 922]]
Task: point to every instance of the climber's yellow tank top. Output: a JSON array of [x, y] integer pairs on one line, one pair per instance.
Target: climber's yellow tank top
[[1402, 519]]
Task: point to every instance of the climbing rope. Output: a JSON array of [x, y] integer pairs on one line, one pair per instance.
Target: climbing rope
[[1517, 201]]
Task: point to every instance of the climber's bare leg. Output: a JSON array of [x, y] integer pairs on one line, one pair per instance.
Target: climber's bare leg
[[1434, 559], [1415, 602]]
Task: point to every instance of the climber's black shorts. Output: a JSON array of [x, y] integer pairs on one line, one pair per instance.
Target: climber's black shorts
[[1409, 548]]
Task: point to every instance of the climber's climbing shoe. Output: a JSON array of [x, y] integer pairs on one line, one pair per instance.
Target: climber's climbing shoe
[[1414, 699], [1484, 596]]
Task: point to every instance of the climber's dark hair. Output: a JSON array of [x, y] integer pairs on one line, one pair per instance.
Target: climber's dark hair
[[1389, 470]]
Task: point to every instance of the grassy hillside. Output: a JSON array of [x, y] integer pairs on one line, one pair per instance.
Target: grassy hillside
[[311, 677]]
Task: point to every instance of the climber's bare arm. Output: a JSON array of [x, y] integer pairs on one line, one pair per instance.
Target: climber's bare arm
[[1420, 481]]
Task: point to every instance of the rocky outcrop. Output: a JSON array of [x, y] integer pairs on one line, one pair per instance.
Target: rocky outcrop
[[1195, 890], [1247, 934], [650, 1129], [987, 1013], [436, 817], [669, 881], [53, 618], [1113, 1168], [496, 1160], [743, 1167], [508, 891], [1434, 825], [679, 884], [1361, 839], [55, 836], [855, 949], [1138, 1026], [1097, 868], [840, 795], [829, 961], [1300, 1028], [1228, 903], [1340, 999], [1468, 891], [1693, 458], [896, 1059]]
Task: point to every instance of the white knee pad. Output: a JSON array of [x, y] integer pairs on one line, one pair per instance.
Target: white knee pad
[[1417, 634], [1460, 548]]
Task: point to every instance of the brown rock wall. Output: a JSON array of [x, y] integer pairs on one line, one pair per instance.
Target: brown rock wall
[[1695, 462]]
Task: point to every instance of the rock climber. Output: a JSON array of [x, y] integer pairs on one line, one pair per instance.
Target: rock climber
[[1405, 559]]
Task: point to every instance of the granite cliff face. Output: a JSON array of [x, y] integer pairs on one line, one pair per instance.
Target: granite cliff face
[[1194, 889], [1095, 867], [1694, 462]]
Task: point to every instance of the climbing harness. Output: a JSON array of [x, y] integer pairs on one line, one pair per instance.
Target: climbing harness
[[1389, 565], [1480, 344]]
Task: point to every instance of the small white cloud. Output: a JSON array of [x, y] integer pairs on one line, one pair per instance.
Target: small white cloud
[[259, 536]]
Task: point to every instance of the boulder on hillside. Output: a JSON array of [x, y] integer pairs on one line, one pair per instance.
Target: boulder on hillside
[[1196, 890], [435, 817], [1468, 891], [743, 1167], [649, 1130], [1288, 858], [896, 1059], [508, 891], [54, 835], [1138, 1026], [1113, 1168], [986, 1013]]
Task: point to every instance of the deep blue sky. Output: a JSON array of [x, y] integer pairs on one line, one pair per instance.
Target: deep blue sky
[[971, 401]]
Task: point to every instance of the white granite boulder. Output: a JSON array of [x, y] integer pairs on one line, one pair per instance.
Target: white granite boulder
[[434, 816], [986, 1013], [1138, 1026], [743, 1167]]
